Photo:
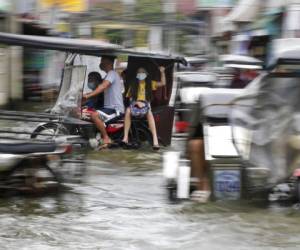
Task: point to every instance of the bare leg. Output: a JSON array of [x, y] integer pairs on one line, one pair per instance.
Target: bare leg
[[100, 125], [152, 127], [127, 124], [198, 164]]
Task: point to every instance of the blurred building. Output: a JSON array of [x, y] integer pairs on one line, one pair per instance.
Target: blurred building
[[190, 27], [30, 72], [212, 12], [154, 25], [250, 27], [10, 57]]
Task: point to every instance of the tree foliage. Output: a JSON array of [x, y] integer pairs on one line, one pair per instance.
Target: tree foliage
[[149, 10]]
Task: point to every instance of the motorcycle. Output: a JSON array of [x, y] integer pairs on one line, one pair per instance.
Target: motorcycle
[[65, 117], [37, 167]]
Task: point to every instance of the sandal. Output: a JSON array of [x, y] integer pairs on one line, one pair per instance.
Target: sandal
[[124, 145], [156, 147], [105, 145], [201, 196]]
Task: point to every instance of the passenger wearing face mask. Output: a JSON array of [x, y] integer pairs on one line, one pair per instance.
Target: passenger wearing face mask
[[140, 94], [94, 79]]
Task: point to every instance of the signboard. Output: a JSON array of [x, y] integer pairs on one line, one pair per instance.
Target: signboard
[[67, 5], [226, 184]]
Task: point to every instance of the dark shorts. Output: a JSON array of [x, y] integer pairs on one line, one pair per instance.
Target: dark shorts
[[197, 132]]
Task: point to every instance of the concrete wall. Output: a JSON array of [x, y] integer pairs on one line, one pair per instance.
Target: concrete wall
[[16, 73], [4, 83], [11, 66], [11, 69]]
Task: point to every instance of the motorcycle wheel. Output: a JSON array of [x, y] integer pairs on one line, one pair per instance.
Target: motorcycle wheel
[[49, 131], [136, 137]]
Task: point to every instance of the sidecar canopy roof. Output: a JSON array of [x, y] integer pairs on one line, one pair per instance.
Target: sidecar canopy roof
[[286, 52], [194, 76], [240, 61], [80, 46]]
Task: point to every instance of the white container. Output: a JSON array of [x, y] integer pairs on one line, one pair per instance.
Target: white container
[[170, 164], [183, 182]]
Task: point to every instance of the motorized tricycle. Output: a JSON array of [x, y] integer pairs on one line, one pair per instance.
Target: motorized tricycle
[[65, 118], [35, 167], [190, 84], [251, 136]]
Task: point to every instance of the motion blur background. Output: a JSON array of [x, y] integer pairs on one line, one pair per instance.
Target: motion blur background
[[123, 189], [189, 28]]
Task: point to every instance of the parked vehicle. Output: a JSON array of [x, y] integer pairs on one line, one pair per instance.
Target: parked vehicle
[[240, 62], [251, 135], [65, 118], [37, 167], [195, 63]]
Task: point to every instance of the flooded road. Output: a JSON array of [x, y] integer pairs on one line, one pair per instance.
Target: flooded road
[[121, 204]]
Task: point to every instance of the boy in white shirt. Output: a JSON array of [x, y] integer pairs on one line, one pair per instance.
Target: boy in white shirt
[[113, 99]]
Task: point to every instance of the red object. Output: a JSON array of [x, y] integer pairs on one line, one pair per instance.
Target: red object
[[181, 126], [187, 7], [157, 118], [90, 109], [112, 128], [296, 172], [68, 149]]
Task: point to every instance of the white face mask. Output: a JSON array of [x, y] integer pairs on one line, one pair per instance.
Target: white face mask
[[141, 76], [91, 85]]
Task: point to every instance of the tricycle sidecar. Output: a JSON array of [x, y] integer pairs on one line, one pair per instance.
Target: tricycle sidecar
[[255, 149], [35, 167], [66, 115]]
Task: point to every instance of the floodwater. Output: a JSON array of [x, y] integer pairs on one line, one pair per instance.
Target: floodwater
[[122, 204]]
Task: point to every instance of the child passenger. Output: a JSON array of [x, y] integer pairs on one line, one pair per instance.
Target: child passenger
[[95, 79], [140, 94]]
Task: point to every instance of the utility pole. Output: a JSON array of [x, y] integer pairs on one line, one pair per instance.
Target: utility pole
[[169, 9], [128, 13], [11, 68]]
